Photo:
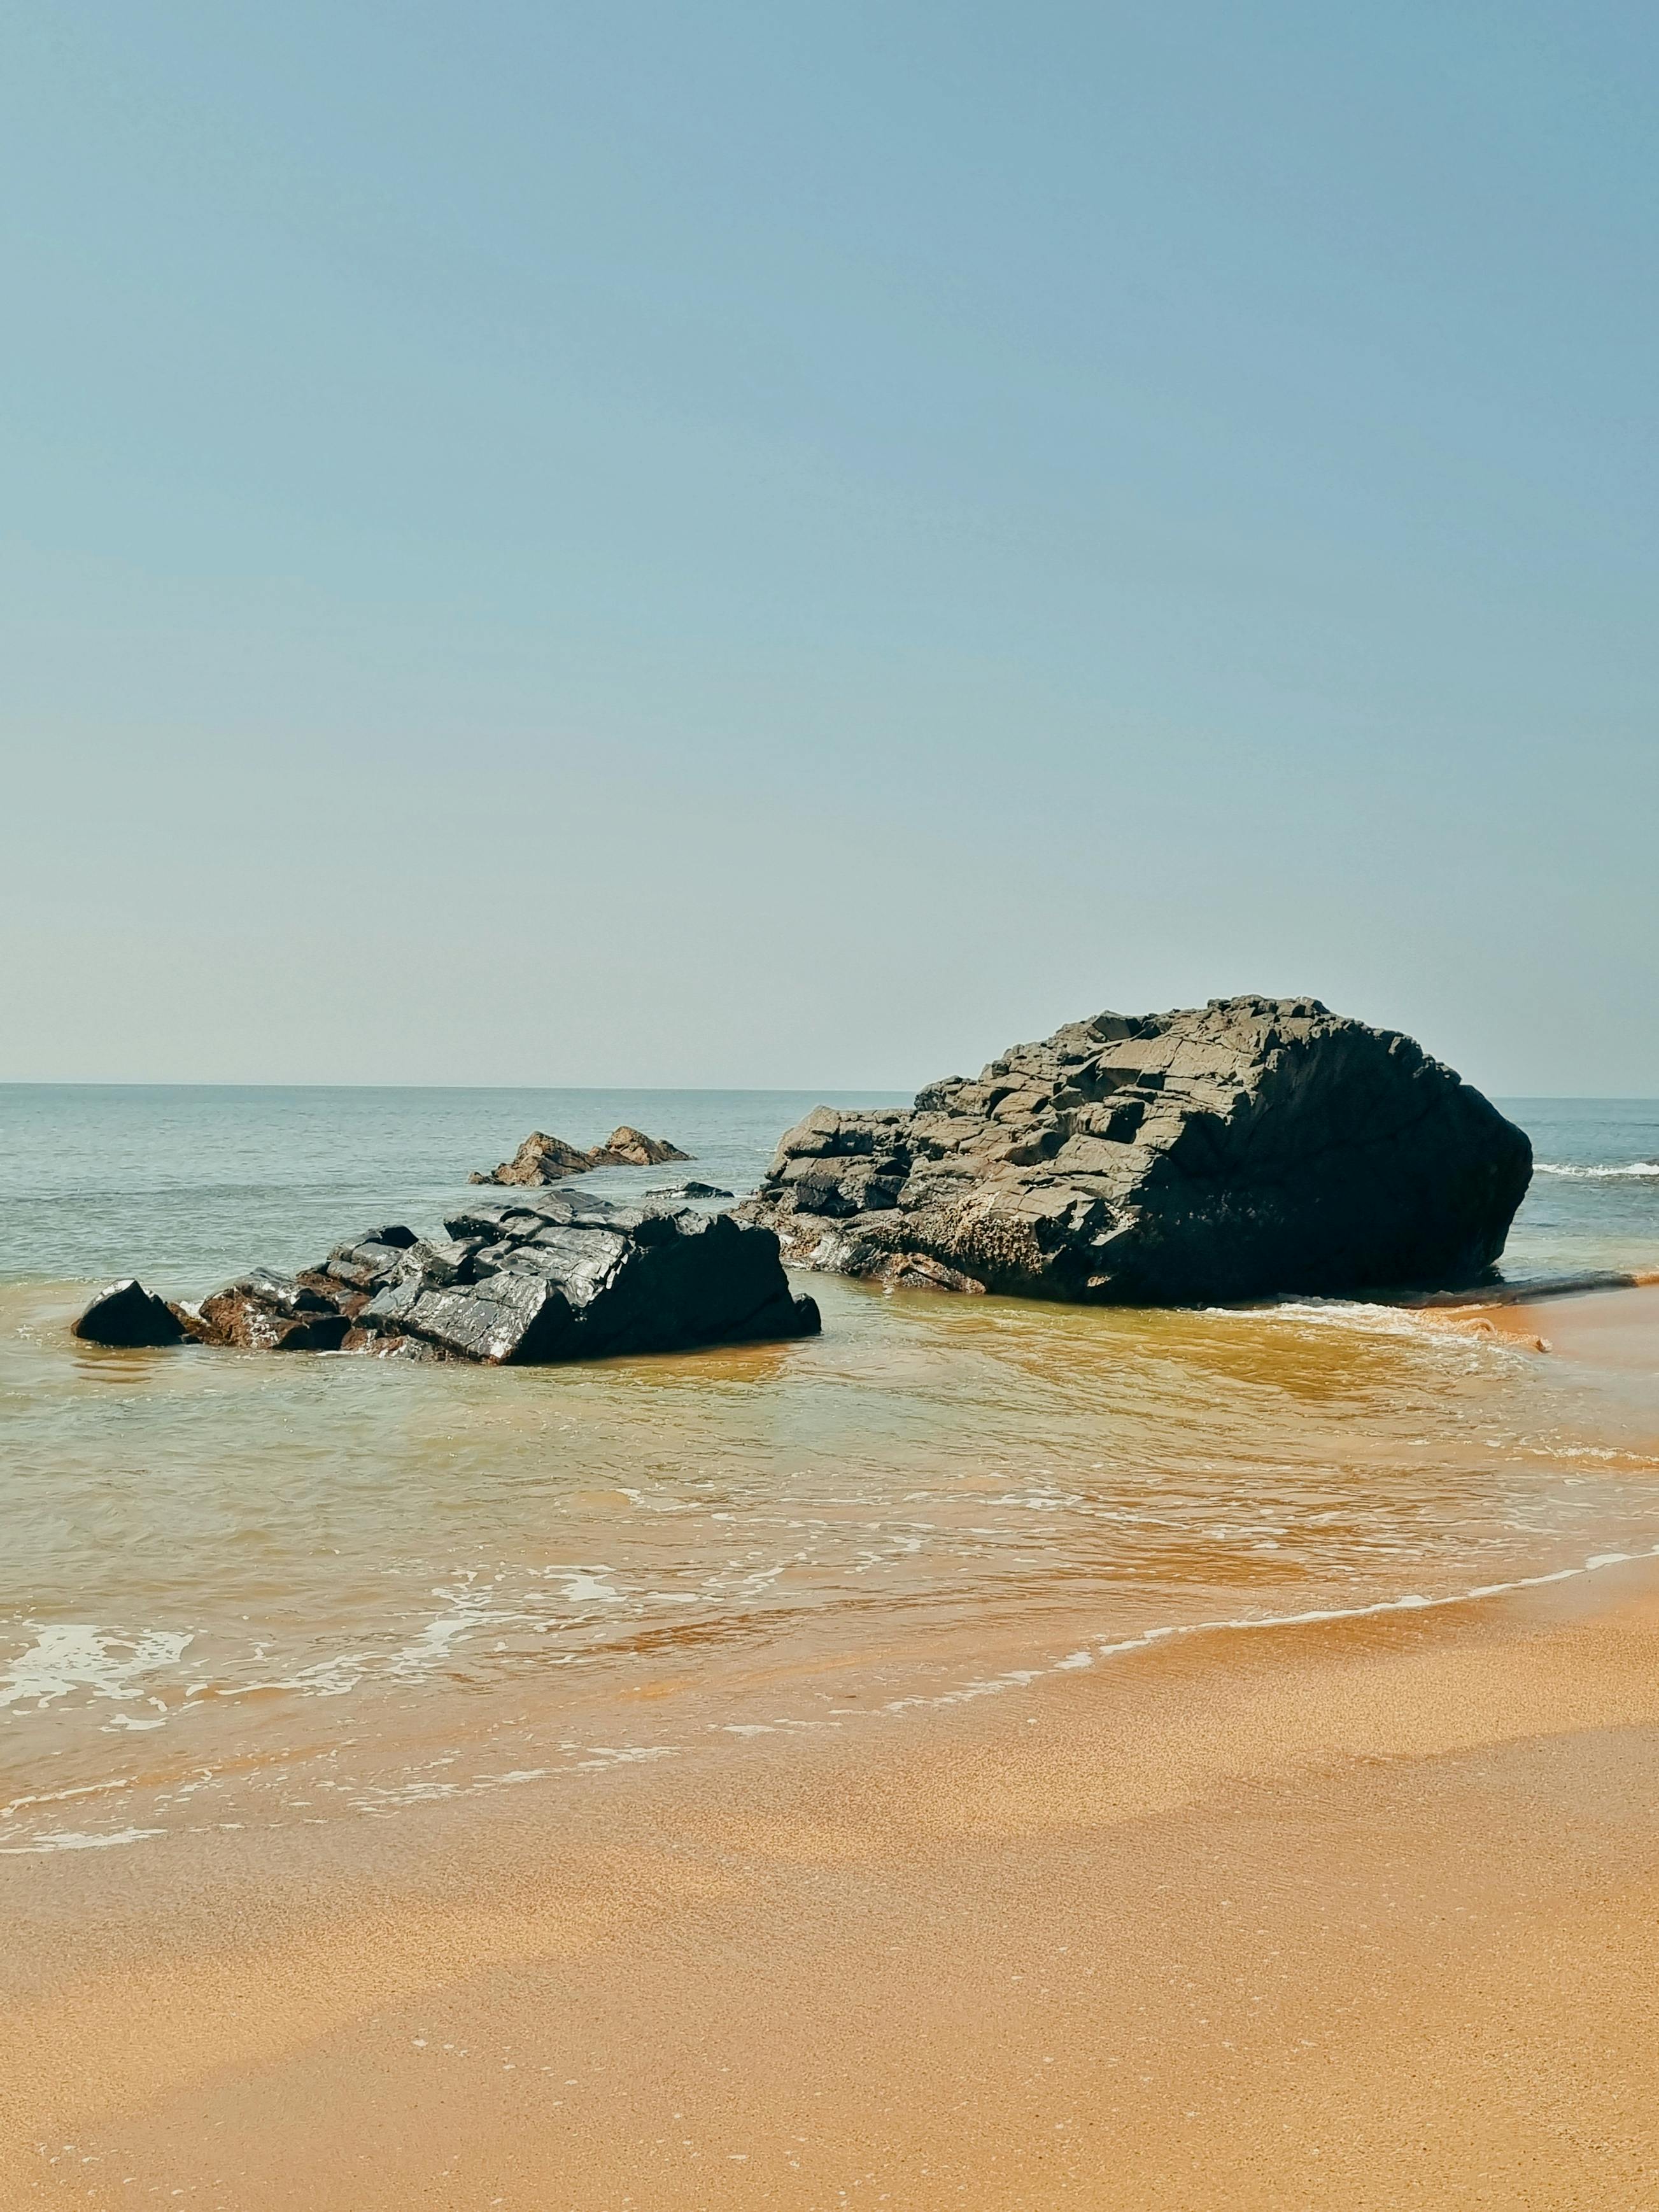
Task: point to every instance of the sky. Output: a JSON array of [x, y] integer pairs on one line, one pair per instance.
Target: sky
[[794, 545]]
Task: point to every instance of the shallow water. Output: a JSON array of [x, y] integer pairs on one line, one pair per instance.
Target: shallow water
[[239, 1590]]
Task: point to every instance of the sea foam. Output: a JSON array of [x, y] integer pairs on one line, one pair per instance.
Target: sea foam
[[76, 1654], [1631, 1172]]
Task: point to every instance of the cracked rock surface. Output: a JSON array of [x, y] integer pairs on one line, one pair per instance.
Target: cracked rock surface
[[535, 1277], [544, 1159], [1229, 1151]]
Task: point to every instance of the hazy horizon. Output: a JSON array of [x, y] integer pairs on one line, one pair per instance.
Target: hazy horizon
[[706, 548], [829, 1093]]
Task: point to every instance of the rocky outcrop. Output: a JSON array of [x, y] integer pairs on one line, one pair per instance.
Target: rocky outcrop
[[631, 1148], [1250, 1146], [568, 1277], [544, 1159], [126, 1315], [540, 1277], [539, 1159]]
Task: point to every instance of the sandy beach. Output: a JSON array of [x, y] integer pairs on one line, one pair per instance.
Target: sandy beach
[[1359, 1914]]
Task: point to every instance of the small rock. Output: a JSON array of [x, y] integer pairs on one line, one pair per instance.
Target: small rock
[[632, 1148], [265, 1312], [539, 1159], [127, 1316], [689, 1190]]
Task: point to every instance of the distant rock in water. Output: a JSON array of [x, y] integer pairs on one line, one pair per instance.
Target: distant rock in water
[[127, 1316], [1250, 1146], [689, 1190], [539, 1159], [545, 1159], [632, 1148], [541, 1277]]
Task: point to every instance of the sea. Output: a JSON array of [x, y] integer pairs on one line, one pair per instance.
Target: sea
[[242, 1592]]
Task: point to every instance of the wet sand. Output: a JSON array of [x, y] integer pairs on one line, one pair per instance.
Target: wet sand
[[1609, 1323], [1362, 1914]]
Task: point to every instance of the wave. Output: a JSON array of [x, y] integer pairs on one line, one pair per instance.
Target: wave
[[382, 1801], [1250, 1624], [1632, 1171], [1426, 1326]]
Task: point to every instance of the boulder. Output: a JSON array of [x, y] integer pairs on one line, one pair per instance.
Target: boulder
[[128, 1316], [544, 1159], [1251, 1147], [544, 1276]]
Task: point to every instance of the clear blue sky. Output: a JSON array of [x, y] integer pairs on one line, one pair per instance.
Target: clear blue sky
[[790, 543]]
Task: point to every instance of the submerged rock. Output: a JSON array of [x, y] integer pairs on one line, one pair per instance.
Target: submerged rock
[[689, 1190], [128, 1316], [543, 1277], [545, 1159], [1229, 1151]]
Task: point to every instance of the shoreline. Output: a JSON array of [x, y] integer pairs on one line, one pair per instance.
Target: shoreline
[[1358, 1909], [1311, 1921]]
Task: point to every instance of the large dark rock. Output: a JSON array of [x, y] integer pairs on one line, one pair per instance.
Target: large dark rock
[[540, 1276], [128, 1316], [544, 1159], [563, 1277], [1250, 1147]]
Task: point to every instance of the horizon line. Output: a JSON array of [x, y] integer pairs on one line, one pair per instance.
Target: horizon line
[[666, 1090]]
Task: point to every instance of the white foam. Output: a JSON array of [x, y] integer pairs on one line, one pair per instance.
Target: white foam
[[326, 1677], [1355, 1313], [626, 1754], [76, 1654], [1631, 1172], [588, 1589], [468, 1611], [61, 1796], [69, 1839]]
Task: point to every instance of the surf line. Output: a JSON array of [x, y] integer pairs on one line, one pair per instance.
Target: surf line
[[1020, 1678]]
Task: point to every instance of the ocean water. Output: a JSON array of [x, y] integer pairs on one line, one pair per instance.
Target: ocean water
[[244, 1591], [1595, 1196]]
